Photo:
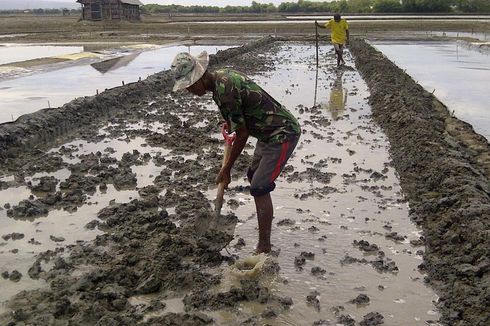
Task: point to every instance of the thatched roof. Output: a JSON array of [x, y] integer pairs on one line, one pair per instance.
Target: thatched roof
[[129, 2]]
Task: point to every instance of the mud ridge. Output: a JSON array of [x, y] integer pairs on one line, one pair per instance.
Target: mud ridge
[[444, 169]]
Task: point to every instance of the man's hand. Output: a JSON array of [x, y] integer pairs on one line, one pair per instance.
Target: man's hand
[[224, 176], [224, 125]]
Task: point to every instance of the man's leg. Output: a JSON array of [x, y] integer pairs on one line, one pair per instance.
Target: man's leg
[[341, 53], [273, 158], [263, 204], [337, 54]]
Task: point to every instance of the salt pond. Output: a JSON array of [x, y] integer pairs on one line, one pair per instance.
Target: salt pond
[[457, 75], [55, 88]]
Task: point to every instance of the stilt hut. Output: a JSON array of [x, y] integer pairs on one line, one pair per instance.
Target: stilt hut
[[110, 9]]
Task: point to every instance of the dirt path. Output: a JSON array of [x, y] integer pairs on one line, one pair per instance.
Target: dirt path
[[160, 243]]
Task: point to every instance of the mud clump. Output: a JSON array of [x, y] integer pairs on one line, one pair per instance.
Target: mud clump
[[28, 209], [364, 245], [444, 169], [372, 319], [13, 236], [361, 299]]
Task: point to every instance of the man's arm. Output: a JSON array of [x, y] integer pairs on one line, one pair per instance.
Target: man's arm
[[347, 37], [224, 174], [320, 25]]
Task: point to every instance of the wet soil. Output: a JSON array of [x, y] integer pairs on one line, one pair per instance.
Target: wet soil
[[157, 28], [168, 243]]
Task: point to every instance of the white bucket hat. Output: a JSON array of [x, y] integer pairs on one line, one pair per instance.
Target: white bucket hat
[[188, 69]]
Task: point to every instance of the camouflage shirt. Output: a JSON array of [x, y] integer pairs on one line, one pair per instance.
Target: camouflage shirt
[[243, 103]]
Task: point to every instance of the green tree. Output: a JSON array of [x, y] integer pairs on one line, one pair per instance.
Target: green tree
[[288, 7], [360, 6], [340, 6], [391, 6], [426, 5], [482, 6]]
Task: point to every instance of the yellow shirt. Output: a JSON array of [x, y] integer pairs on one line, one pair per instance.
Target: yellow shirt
[[338, 30]]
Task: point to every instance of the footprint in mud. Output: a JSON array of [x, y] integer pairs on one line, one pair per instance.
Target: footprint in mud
[[318, 271]]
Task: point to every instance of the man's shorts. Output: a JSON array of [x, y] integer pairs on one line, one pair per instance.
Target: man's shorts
[[268, 161]]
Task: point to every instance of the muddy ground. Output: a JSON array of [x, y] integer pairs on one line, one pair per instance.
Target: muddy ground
[[162, 28], [443, 167]]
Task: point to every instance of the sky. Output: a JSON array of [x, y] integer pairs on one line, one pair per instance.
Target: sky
[[219, 3]]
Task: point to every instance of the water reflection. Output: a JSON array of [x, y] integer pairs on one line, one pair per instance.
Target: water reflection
[[338, 96]]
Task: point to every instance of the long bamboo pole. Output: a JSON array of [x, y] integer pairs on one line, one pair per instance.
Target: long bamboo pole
[[316, 39]]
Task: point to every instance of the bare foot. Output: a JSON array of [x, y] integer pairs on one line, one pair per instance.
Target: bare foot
[[262, 249]]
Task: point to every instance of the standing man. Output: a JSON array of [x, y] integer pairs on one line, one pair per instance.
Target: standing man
[[248, 111], [339, 35]]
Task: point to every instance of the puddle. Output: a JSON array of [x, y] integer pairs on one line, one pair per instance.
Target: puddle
[[55, 88], [458, 76], [13, 195]]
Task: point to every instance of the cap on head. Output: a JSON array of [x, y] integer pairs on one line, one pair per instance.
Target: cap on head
[[188, 69], [336, 17]]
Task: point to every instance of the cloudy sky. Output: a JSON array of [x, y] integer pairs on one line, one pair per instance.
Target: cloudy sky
[[219, 3]]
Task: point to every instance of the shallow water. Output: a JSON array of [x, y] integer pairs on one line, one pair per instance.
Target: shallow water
[[55, 88], [325, 223], [20, 254], [16, 52], [458, 76]]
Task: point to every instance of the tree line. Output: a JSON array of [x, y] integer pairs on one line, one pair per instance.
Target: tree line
[[342, 6]]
